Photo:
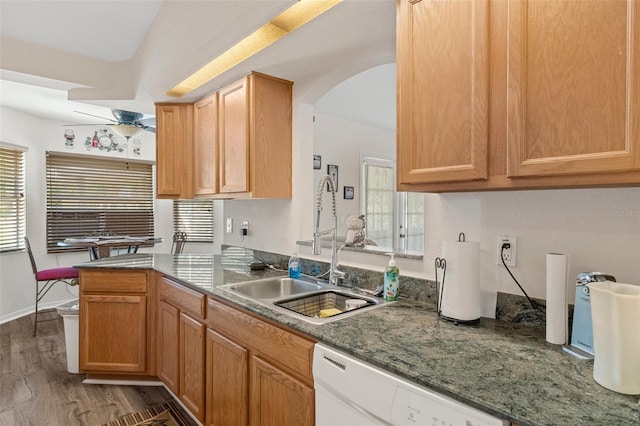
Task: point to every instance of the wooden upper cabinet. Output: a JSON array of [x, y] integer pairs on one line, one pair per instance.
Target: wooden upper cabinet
[[443, 90], [174, 150], [573, 87], [255, 119], [205, 149], [234, 137], [518, 94], [235, 143]]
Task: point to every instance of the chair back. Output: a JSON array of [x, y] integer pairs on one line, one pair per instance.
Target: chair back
[[179, 240], [33, 261]]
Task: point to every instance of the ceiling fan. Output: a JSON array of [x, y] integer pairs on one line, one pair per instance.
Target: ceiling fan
[[126, 123]]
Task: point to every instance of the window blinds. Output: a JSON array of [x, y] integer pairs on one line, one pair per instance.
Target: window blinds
[[89, 195], [13, 204], [195, 217]]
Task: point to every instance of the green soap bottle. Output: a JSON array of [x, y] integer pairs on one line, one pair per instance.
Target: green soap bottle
[[391, 274]]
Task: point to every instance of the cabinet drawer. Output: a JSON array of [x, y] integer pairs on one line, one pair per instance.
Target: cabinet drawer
[[292, 351], [113, 281], [187, 300]]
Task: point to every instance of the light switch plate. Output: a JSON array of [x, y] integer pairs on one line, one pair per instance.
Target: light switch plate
[[229, 225]]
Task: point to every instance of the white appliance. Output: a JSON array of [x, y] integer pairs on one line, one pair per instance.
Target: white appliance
[[350, 392]]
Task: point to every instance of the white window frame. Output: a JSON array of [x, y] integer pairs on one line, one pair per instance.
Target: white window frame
[[400, 198], [13, 198]]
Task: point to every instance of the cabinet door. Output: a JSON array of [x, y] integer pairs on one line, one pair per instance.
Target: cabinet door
[[205, 157], [174, 130], [443, 84], [192, 365], [277, 398], [234, 137], [113, 333], [574, 90], [227, 382], [168, 354]]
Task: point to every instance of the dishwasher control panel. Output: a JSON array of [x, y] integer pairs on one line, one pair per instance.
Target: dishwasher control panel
[[415, 407]]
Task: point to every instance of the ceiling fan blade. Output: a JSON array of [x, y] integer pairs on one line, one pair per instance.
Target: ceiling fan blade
[[150, 121], [149, 129], [96, 116]]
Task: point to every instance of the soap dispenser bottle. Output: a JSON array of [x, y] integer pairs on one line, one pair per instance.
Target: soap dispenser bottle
[[294, 266], [391, 274]]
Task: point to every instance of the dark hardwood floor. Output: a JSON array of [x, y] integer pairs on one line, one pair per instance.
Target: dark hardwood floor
[[36, 389]]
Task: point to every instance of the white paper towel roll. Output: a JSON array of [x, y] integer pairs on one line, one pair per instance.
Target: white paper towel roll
[[557, 316], [461, 296]]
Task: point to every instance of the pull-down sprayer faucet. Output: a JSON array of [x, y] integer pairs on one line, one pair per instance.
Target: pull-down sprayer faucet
[[334, 274]]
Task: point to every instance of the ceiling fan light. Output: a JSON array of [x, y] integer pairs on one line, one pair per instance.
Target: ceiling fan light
[[126, 130]]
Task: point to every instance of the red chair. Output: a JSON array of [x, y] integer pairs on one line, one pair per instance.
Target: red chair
[[46, 278]]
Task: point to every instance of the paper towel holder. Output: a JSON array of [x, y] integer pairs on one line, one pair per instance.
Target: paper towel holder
[[441, 263]]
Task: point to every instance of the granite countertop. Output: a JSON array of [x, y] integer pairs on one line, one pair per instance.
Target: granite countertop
[[498, 367]]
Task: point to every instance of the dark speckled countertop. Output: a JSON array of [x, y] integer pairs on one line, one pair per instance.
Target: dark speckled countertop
[[498, 367]]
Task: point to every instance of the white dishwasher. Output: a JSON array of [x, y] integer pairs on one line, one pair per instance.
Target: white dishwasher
[[350, 392]]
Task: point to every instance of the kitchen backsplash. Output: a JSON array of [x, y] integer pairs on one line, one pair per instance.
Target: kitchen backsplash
[[509, 307]]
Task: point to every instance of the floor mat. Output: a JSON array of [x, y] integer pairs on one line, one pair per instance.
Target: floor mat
[[167, 414]]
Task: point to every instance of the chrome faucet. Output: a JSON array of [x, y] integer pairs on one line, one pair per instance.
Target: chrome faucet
[[334, 274]]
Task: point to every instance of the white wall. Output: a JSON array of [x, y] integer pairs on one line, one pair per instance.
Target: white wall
[[598, 228], [342, 142], [17, 285]]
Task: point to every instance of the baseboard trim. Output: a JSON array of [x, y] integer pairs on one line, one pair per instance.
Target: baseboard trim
[[186, 410], [105, 380], [44, 306]]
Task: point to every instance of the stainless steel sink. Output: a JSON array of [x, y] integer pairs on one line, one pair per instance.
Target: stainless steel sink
[[273, 288], [314, 302]]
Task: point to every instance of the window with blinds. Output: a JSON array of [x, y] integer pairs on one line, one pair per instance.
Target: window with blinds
[[89, 195], [195, 217], [13, 205]]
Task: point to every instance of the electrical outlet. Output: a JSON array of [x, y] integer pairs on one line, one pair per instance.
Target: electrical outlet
[[244, 228], [229, 225], [509, 253]]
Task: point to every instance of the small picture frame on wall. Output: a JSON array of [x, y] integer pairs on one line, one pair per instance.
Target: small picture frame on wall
[[332, 170], [317, 162], [348, 192]]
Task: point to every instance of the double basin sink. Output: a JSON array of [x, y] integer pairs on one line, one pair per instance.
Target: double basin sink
[[314, 302]]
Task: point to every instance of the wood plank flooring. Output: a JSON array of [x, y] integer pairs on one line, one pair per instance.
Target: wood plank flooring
[[36, 389]]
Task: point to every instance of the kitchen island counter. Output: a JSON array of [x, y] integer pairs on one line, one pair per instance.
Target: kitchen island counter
[[501, 368]]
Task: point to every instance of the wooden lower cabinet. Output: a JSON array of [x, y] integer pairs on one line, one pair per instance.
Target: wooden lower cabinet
[[278, 398], [192, 365], [181, 344], [116, 322], [114, 333], [256, 372], [167, 354], [227, 392]]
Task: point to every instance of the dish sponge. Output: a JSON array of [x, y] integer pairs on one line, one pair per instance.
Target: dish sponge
[[329, 312]]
